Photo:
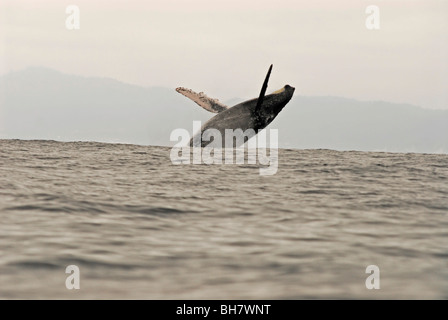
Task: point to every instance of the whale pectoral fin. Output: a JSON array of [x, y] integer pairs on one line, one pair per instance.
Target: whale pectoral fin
[[257, 112], [263, 90], [209, 104]]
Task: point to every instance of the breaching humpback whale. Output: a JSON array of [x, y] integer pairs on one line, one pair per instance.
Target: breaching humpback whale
[[253, 114]]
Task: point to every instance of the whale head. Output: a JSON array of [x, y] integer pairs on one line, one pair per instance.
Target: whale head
[[281, 97], [272, 105]]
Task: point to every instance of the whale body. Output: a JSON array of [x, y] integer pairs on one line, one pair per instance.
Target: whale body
[[246, 118]]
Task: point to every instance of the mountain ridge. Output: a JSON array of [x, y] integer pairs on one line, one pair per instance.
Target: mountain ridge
[[42, 103]]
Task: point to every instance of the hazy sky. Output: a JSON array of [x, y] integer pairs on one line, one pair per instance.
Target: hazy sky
[[225, 47]]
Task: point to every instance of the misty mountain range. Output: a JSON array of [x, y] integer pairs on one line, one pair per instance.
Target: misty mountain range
[[40, 103]]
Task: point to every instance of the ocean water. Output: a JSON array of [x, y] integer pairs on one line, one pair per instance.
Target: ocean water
[[139, 227]]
